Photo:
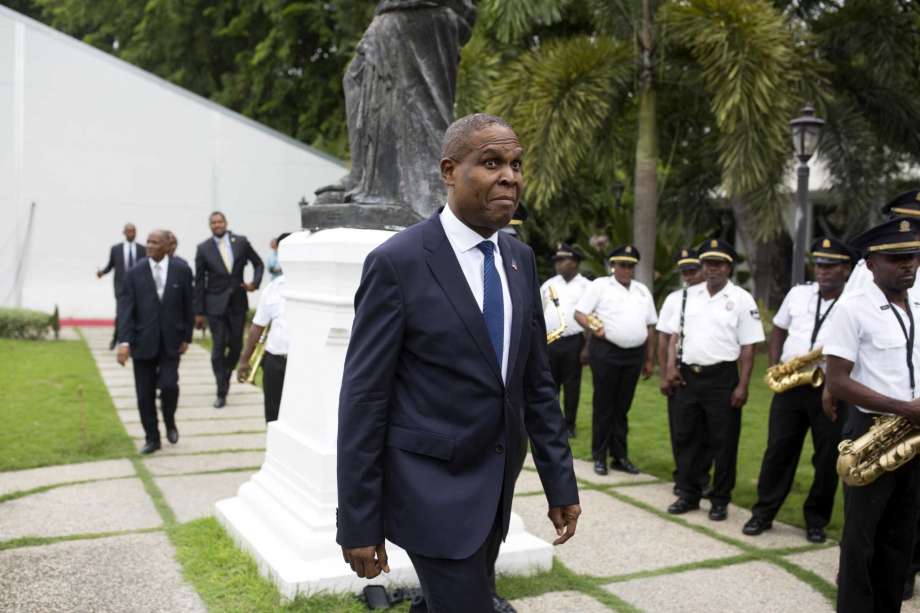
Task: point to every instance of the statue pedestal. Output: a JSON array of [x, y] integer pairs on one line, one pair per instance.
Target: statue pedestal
[[285, 514]]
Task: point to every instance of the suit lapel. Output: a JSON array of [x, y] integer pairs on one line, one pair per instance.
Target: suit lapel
[[217, 260], [235, 248], [148, 278], [516, 286], [446, 270], [170, 274]]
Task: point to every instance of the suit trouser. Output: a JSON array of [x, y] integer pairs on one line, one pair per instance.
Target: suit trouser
[[565, 365], [460, 586], [273, 368], [227, 339], [703, 416], [672, 429], [615, 372], [878, 535], [161, 372], [792, 413]]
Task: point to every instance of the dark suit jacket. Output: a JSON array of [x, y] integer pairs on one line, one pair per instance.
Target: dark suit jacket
[[215, 287], [430, 440], [149, 324], [117, 263]]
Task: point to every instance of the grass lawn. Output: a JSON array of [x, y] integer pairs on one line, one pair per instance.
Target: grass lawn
[[43, 420], [650, 448]]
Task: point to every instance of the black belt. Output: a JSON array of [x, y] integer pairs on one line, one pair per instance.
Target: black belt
[[699, 369], [279, 356]]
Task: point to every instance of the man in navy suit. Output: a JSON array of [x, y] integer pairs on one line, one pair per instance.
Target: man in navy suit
[[220, 296], [445, 378], [155, 323], [122, 257]]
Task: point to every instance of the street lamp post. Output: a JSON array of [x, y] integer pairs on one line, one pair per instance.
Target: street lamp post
[[805, 132]]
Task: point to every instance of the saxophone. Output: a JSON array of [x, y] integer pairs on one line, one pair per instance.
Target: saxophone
[[801, 370], [890, 443], [556, 334], [594, 322], [256, 359]]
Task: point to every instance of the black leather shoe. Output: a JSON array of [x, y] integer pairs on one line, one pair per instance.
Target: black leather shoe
[[815, 534], [675, 490], [500, 605], [600, 468], [908, 587], [682, 505], [149, 448], [220, 402], [756, 525], [172, 435], [624, 466], [707, 492], [718, 512]]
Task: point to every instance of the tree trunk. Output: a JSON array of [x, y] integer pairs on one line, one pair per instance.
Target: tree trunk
[[646, 176], [768, 261]]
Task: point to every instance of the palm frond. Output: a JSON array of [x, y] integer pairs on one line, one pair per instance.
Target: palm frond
[[510, 20]]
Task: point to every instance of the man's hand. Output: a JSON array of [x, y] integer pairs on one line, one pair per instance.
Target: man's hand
[[183, 347], [664, 386], [199, 322], [829, 404], [249, 287], [739, 396], [99, 274], [674, 378], [564, 521], [599, 332], [647, 369], [124, 352], [242, 370], [367, 562], [583, 356]]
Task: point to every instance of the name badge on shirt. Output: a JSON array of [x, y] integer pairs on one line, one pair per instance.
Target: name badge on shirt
[[729, 305]]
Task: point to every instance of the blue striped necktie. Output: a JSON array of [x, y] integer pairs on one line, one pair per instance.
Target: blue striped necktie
[[493, 306]]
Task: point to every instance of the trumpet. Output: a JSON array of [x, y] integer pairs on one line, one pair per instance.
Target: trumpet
[[801, 370], [256, 360], [556, 334]]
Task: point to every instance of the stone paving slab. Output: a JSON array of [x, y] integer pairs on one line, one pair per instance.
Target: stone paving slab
[[135, 572], [103, 506], [215, 426], [231, 411], [196, 402], [193, 496], [559, 602], [162, 465], [32, 478], [528, 483], [585, 471], [204, 391], [616, 538], [822, 562], [752, 586], [196, 444], [781, 535]]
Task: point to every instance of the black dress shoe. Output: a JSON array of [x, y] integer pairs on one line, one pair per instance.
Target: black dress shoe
[[682, 505], [718, 512], [500, 605], [220, 402], [756, 525], [600, 467], [172, 435], [815, 534], [624, 466], [908, 587], [675, 490], [149, 448]]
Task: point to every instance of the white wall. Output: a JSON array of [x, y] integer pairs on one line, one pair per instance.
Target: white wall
[[96, 142]]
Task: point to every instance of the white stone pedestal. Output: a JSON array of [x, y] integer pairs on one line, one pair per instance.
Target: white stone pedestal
[[285, 514]]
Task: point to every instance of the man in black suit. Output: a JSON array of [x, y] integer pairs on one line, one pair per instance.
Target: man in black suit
[[220, 296], [445, 378], [122, 257], [155, 323]]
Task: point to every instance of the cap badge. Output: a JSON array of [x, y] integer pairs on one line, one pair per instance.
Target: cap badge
[[825, 244], [917, 198], [629, 250], [713, 243], [684, 253], [905, 226]]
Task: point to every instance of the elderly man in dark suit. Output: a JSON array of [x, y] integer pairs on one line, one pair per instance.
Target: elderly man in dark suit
[[122, 257], [445, 378], [220, 296], [155, 323]]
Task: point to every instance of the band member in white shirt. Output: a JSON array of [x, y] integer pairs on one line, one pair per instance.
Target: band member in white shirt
[[712, 370], [565, 353], [619, 351], [799, 327], [905, 204], [872, 360], [691, 272]]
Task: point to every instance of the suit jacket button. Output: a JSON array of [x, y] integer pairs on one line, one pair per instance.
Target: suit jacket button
[[499, 448]]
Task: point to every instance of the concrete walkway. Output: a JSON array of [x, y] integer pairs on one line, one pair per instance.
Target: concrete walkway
[[88, 537]]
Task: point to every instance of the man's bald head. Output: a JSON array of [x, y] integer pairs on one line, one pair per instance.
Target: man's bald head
[[458, 137], [130, 232], [172, 242], [157, 244]]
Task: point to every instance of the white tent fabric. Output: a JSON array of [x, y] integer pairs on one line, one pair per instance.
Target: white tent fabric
[[89, 142]]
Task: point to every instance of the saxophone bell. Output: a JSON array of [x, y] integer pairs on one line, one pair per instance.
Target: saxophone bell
[[799, 371]]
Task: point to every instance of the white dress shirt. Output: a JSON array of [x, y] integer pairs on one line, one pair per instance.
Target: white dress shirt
[[797, 316], [669, 307], [164, 272], [225, 239], [271, 311], [864, 331], [625, 312], [464, 242], [569, 293], [717, 327], [127, 250]]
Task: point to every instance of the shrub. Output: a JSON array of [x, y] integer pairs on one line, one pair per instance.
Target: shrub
[[23, 323]]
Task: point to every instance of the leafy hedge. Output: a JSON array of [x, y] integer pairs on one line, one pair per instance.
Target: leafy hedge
[[25, 324]]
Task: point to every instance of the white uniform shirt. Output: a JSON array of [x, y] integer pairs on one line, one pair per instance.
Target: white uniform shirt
[[797, 316], [865, 331], [625, 313], [569, 293], [464, 242], [862, 277], [716, 327], [669, 308], [271, 311]]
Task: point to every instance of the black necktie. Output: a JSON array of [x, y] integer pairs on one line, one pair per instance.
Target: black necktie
[[130, 255]]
